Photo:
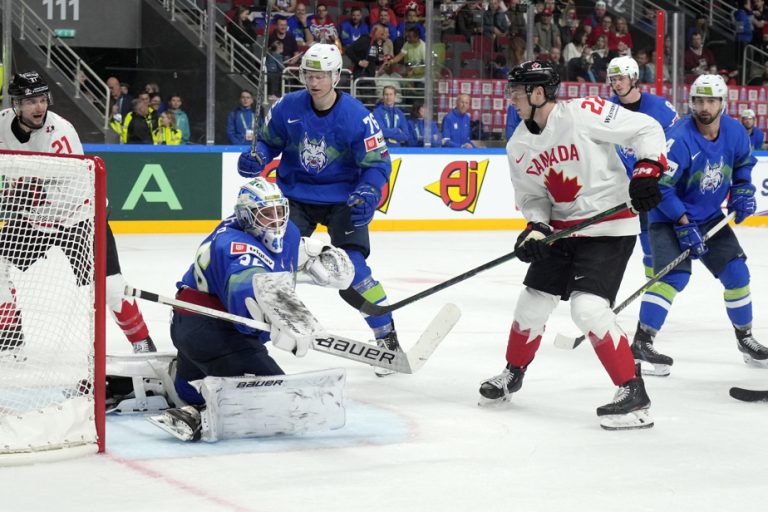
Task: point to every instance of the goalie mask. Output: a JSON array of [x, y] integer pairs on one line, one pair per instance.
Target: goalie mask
[[262, 210]]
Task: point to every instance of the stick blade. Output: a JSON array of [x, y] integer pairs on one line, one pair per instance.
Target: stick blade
[[432, 336], [749, 395], [565, 342], [357, 301]]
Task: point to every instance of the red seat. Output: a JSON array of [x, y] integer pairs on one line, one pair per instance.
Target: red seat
[[469, 73], [482, 44]]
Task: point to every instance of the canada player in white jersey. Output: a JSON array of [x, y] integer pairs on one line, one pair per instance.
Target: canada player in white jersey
[[565, 169], [30, 126]]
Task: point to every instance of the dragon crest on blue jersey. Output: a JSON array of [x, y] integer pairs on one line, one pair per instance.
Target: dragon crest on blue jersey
[[313, 156]]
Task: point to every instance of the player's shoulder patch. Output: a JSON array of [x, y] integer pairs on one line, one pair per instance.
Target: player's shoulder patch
[[240, 248], [375, 141]]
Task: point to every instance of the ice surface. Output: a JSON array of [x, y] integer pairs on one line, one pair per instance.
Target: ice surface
[[420, 442]]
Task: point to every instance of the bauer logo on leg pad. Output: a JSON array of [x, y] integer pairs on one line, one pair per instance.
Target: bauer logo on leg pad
[[259, 383]]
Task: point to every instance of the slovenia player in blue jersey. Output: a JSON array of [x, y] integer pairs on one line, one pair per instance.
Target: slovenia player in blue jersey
[[756, 135], [710, 159], [623, 74], [236, 269], [333, 167]]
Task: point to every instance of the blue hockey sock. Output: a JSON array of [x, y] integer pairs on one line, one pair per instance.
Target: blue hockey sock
[[738, 299], [658, 299], [372, 290]]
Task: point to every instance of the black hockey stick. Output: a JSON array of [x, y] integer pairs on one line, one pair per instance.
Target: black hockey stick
[[256, 125], [357, 301], [749, 395], [570, 343], [397, 360]]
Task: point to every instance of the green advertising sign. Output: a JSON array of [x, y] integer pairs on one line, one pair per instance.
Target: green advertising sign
[[163, 186]]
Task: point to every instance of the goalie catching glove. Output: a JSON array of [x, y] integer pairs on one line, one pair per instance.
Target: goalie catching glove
[[324, 265], [293, 327], [530, 245], [644, 185]]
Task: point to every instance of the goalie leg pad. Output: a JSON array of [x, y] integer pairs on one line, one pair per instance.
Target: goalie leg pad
[[241, 407], [139, 383]]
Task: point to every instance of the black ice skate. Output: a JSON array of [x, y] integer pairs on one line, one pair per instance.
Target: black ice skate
[[389, 342], [754, 353], [500, 387], [642, 350], [183, 423], [629, 408]]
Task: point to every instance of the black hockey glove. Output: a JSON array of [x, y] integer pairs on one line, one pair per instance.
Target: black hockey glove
[[644, 185], [530, 246]]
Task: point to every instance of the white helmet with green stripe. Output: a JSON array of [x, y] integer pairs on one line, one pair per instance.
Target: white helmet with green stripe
[[708, 86], [322, 57]]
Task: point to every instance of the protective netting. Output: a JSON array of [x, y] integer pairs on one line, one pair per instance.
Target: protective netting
[[47, 315]]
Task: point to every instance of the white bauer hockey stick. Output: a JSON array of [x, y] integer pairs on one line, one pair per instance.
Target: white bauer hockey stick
[[566, 342], [340, 346]]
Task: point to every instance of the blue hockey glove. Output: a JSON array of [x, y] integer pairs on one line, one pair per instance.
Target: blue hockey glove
[[689, 237], [742, 201], [363, 202], [644, 185], [530, 246], [251, 166]]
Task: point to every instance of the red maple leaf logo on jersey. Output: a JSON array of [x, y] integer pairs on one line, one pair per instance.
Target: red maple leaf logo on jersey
[[562, 189]]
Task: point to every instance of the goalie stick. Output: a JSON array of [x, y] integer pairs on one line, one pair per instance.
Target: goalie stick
[[357, 301], [749, 395], [340, 346], [569, 342]]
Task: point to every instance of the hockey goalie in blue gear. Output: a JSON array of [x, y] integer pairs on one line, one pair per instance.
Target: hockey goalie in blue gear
[[334, 165], [623, 74], [710, 162], [246, 266]]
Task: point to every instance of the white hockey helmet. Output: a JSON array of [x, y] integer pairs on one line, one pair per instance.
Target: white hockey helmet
[[709, 86], [322, 57], [262, 210], [748, 113], [623, 66]]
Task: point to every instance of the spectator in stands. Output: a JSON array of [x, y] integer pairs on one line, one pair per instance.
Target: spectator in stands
[[354, 27], [595, 19], [498, 68], [166, 132], [392, 31], [412, 21], [568, 25], [516, 16], [381, 5], [371, 52], [697, 58], [700, 25], [291, 53], [547, 32], [556, 59], [743, 19], [241, 120], [604, 29], [119, 103], [619, 35], [759, 18], [322, 27], [495, 22], [299, 26], [392, 120], [413, 55], [469, 19], [646, 70], [401, 7], [516, 53], [598, 69], [182, 120], [284, 6], [241, 28], [756, 136], [387, 76], [156, 102], [416, 128], [457, 125], [138, 129], [574, 49], [275, 61]]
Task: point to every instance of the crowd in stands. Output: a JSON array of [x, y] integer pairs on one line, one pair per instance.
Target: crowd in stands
[[384, 40]]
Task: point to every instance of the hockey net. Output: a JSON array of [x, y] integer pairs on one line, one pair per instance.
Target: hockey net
[[52, 285]]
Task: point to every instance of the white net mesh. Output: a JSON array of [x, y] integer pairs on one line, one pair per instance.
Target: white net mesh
[[47, 315]]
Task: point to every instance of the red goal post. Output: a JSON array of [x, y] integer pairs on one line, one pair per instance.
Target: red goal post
[[52, 306]]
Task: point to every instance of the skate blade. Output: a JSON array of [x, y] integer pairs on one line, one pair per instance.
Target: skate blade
[[755, 363], [634, 420], [383, 372], [654, 370], [179, 431], [490, 403]]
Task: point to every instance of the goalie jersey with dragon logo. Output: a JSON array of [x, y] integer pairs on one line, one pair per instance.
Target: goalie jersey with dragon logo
[[228, 258], [701, 171], [325, 155], [571, 170]]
